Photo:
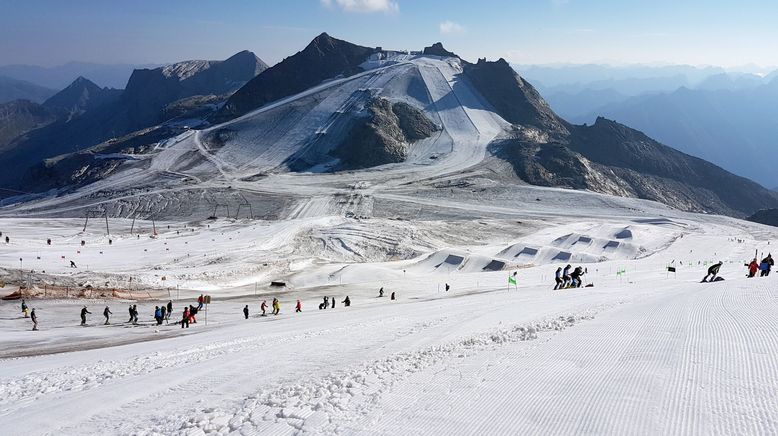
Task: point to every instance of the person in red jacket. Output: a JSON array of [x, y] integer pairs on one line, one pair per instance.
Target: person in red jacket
[[200, 301], [185, 319], [299, 307], [753, 267]]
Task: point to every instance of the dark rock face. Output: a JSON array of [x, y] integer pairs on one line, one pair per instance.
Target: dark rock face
[[95, 115], [324, 58], [512, 97], [765, 216], [80, 96], [20, 116], [385, 135], [438, 50]]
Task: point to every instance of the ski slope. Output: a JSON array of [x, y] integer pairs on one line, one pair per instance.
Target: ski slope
[[641, 351]]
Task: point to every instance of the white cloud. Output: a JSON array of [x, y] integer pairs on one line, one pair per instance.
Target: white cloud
[[363, 6], [450, 27]]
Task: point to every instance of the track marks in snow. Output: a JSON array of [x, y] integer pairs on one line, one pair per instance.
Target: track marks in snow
[[332, 403]]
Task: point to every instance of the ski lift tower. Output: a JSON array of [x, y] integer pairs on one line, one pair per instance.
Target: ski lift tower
[[147, 213], [97, 213], [244, 203]]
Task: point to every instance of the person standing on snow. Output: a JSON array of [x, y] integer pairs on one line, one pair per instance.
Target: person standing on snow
[[347, 302], [158, 315], [392, 297], [575, 277], [25, 310], [566, 279], [169, 308], [107, 314], [246, 311], [134, 313], [299, 307], [753, 267], [333, 302], [263, 306], [558, 278], [185, 318], [200, 301], [276, 306], [447, 287], [163, 313], [84, 312], [326, 301], [713, 271], [34, 318], [381, 292], [766, 265]]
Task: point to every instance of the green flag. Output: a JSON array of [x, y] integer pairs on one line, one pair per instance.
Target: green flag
[[511, 280]]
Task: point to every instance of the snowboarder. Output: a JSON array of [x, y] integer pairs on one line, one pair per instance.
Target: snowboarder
[[169, 308], [73, 265], [107, 314], [246, 311], [84, 312], [558, 278], [263, 306], [299, 307], [276, 306], [185, 318], [392, 297], [381, 292], [753, 267], [25, 309], [347, 301], [447, 287], [34, 320], [713, 271]]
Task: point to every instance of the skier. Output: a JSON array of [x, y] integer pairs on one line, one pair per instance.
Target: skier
[[558, 278], [169, 308], [246, 311], [447, 287], [381, 292], [185, 318], [200, 301], [333, 302], [753, 267], [392, 297], [25, 310], [566, 280], [712, 272], [34, 320], [192, 312], [84, 312], [158, 315], [276, 306], [263, 307], [132, 314], [347, 301], [163, 313], [107, 314], [73, 264], [299, 307]]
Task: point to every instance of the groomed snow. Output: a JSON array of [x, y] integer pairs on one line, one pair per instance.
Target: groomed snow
[[642, 351]]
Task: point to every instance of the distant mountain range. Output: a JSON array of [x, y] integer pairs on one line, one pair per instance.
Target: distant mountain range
[[14, 89], [338, 106], [60, 76]]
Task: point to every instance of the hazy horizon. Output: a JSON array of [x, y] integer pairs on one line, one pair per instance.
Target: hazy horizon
[[611, 32]]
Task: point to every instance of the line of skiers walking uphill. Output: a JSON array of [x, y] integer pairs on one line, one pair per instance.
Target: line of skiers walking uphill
[[163, 313]]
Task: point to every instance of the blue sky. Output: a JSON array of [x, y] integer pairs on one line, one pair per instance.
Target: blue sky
[[695, 32]]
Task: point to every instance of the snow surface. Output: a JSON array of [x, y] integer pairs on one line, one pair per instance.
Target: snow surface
[[643, 351]]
